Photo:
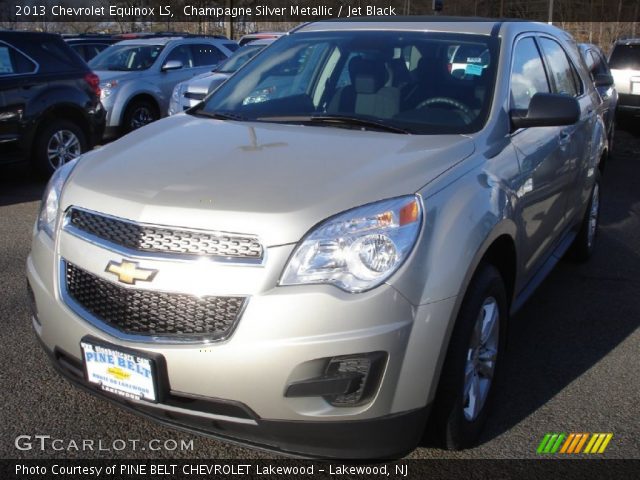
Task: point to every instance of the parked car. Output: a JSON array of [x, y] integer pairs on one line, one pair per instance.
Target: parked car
[[50, 109], [89, 45], [597, 65], [318, 271], [138, 75], [624, 62], [191, 92], [252, 37]]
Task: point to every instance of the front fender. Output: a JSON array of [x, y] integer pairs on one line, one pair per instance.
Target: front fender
[[123, 96]]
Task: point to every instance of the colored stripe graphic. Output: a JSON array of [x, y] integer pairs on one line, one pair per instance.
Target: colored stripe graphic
[[551, 443], [573, 443]]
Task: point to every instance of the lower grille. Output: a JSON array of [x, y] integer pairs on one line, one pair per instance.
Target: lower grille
[[195, 95], [144, 312]]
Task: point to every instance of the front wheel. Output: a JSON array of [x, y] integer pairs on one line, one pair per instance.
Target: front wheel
[[138, 114], [467, 381]]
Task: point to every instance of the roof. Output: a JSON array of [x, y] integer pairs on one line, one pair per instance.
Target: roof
[[470, 25], [166, 40]]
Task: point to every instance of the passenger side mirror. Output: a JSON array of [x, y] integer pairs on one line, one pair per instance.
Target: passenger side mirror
[[172, 65], [603, 80], [547, 110]]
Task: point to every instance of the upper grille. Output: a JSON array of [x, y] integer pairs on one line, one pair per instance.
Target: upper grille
[[145, 312], [150, 238]]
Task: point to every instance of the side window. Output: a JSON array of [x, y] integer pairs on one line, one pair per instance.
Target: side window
[[599, 65], [564, 74], [527, 74], [13, 62], [206, 55], [182, 53]]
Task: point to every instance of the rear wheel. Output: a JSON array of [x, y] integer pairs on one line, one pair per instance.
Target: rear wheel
[[585, 241], [57, 143], [468, 378]]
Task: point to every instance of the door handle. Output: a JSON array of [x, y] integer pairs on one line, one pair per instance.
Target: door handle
[[564, 137]]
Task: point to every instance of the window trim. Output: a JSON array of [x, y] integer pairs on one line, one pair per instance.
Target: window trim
[[520, 37], [37, 65], [576, 73]]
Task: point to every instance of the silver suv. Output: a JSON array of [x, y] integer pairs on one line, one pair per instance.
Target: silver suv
[[624, 62], [330, 248], [138, 75]]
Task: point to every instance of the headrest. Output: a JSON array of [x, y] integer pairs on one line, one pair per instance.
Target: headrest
[[367, 76]]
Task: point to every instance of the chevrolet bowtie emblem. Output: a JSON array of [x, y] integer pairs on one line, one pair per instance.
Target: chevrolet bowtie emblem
[[129, 272]]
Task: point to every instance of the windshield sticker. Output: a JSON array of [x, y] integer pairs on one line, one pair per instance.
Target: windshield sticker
[[472, 69]]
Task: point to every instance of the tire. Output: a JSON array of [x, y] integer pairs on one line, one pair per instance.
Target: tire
[[138, 114], [459, 419], [584, 243], [58, 142]]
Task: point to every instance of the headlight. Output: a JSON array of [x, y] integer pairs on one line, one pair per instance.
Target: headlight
[[359, 249], [176, 95], [107, 88], [48, 217]]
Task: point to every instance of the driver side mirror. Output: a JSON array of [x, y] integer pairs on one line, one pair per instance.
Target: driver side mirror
[[172, 65], [547, 110]]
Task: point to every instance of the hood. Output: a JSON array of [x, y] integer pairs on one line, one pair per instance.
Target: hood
[[110, 75], [273, 180], [205, 82]]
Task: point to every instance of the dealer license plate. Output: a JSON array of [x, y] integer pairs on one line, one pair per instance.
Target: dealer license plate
[[635, 88], [125, 374]]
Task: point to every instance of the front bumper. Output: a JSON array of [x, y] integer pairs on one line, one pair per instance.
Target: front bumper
[[235, 389]]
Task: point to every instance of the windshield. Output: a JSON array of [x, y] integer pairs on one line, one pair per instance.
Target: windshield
[[624, 57], [239, 58], [126, 58], [400, 80]]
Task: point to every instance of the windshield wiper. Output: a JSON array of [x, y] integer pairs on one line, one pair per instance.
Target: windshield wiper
[[216, 115], [337, 120]]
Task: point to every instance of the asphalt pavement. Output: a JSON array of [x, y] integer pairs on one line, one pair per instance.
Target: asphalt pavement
[[572, 364]]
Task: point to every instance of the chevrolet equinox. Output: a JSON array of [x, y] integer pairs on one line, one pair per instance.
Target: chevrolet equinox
[[327, 249]]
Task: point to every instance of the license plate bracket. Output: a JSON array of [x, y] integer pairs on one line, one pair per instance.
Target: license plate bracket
[[121, 371]]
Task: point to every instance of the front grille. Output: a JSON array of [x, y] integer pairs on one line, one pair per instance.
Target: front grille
[[145, 312], [150, 238]]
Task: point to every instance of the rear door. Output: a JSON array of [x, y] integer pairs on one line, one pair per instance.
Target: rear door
[[574, 141], [17, 85], [545, 174]]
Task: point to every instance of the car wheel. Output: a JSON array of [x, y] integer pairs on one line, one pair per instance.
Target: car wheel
[[59, 142], [585, 241], [138, 114], [469, 374]]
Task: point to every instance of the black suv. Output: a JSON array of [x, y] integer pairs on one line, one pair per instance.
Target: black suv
[[88, 45], [50, 110]]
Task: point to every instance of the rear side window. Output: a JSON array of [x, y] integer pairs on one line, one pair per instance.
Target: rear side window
[[56, 56], [563, 73], [625, 57], [13, 62], [204, 54], [599, 64], [527, 74], [231, 46]]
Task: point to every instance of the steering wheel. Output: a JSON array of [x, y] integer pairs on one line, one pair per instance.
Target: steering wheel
[[452, 102]]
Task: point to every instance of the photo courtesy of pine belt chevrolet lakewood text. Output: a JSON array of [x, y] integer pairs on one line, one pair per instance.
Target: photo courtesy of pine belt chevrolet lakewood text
[[326, 252]]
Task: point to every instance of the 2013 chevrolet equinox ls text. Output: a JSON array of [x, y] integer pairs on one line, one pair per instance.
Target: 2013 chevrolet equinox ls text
[[329, 247]]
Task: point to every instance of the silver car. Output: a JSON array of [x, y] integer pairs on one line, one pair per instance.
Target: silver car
[[624, 62], [137, 76], [328, 249], [189, 93]]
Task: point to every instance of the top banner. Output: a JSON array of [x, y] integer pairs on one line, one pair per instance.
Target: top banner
[[14, 11]]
